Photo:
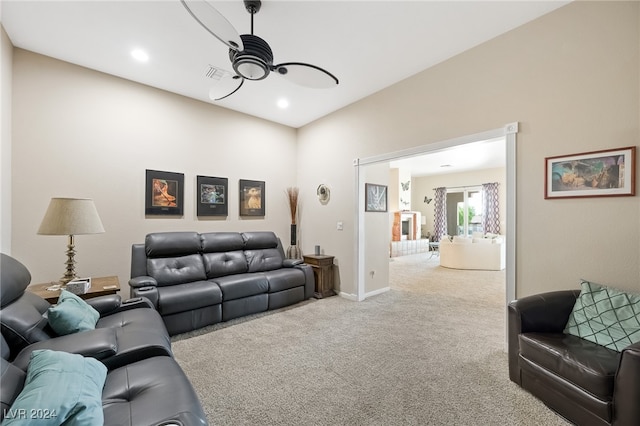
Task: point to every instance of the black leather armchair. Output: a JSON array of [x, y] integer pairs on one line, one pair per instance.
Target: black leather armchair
[[123, 334], [585, 383]]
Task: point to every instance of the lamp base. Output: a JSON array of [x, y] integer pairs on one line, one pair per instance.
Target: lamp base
[[70, 273]]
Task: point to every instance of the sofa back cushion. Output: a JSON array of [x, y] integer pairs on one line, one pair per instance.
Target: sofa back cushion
[[171, 244], [259, 240], [15, 278], [262, 251], [226, 263], [223, 254], [263, 260], [217, 242], [176, 270], [24, 322]]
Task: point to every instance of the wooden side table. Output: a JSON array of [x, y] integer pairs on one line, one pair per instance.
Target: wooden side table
[[323, 273], [100, 286]]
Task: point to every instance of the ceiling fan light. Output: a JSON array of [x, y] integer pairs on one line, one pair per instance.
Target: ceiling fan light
[[251, 68]]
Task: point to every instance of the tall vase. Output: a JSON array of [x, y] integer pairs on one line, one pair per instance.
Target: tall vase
[[293, 252]]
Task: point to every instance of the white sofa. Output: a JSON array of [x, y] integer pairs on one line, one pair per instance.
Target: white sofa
[[480, 252]]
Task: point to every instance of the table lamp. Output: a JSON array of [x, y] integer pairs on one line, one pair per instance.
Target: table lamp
[[71, 216]]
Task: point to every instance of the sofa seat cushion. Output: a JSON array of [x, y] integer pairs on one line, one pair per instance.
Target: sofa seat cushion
[[242, 285], [585, 364], [176, 270], [284, 279], [188, 296], [152, 391]]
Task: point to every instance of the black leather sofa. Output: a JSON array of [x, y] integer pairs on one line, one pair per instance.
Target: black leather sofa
[[144, 384], [194, 279], [586, 383]]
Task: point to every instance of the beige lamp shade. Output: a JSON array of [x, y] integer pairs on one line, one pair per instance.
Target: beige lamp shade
[[71, 216]]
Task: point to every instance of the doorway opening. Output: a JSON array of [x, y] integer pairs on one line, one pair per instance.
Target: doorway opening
[[373, 251]]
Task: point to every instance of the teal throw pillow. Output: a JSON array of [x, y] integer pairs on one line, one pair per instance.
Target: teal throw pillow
[[72, 314], [606, 316], [60, 388]]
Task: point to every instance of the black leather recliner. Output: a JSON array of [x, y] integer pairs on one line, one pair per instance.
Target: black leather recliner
[[126, 331], [153, 391], [586, 383]]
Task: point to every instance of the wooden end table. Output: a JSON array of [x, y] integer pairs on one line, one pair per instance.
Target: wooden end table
[[100, 286], [323, 273]]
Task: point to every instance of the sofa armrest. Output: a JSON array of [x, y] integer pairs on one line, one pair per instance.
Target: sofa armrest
[[143, 281], [309, 280], [626, 388], [100, 343], [136, 303], [290, 263], [148, 294], [544, 313], [184, 418], [105, 305]]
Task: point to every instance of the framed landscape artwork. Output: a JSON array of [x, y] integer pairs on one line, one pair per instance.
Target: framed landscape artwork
[[607, 173], [164, 193], [211, 196], [375, 197], [252, 198]]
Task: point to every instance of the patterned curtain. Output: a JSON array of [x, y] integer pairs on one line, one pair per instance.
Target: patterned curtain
[[490, 208], [440, 213]]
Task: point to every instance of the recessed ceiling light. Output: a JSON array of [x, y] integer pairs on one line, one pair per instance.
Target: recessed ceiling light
[[140, 55], [283, 103]]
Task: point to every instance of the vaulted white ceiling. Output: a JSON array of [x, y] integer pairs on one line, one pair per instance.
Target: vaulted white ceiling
[[368, 45]]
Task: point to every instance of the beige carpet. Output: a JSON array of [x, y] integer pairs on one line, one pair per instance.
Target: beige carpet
[[428, 352]]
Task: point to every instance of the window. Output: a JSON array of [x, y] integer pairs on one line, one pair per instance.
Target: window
[[468, 210]]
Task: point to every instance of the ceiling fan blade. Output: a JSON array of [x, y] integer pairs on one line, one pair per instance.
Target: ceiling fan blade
[[213, 21], [225, 87], [306, 75]]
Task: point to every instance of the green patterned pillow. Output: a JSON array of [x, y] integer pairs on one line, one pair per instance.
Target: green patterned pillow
[[606, 316]]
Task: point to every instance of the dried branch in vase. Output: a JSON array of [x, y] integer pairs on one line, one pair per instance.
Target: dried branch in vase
[[292, 194]]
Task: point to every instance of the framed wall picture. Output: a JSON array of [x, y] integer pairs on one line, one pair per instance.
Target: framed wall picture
[[211, 193], [252, 198], [607, 173], [375, 197], [164, 193]]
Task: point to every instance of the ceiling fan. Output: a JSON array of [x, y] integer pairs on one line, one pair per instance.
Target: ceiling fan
[[251, 57]]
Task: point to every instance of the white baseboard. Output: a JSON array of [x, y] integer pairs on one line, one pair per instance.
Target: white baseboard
[[376, 292], [354, 298], [348, 296]]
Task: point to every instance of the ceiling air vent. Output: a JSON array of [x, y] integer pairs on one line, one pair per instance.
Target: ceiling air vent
[[215, 73]]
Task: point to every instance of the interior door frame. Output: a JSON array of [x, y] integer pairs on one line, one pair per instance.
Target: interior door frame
[[509, 133]]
